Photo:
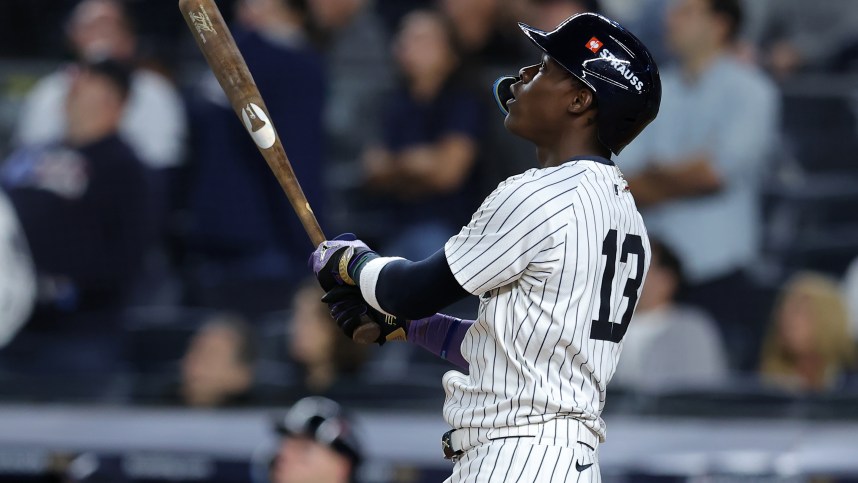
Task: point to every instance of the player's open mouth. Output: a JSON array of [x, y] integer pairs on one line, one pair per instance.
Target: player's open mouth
[[511, 98], [513, 92]]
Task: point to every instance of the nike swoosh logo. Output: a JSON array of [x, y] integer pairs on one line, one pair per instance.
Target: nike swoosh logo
[[580, 467], [258, 125]]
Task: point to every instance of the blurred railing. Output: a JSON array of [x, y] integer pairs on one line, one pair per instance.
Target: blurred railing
[[187, 445]]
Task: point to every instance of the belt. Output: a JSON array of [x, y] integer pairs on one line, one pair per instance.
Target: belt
[[560, 432]]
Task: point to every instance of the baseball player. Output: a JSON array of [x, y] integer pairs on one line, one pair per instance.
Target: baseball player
[[557, 256], [318, 444]]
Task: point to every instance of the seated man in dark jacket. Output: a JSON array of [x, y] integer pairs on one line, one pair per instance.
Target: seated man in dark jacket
[[84, 208]]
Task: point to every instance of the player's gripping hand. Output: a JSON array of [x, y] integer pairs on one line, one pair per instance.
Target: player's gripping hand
[[350, 310], [339, 261]]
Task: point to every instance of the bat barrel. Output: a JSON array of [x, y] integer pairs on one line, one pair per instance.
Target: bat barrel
[[218, 47]]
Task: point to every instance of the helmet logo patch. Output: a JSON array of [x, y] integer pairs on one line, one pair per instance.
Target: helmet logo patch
[[594, 45], [622, 66]]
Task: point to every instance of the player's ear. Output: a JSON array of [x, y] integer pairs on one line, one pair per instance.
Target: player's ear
[[582, 99]]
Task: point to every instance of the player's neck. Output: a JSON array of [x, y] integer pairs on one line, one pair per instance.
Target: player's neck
[[567, 148]]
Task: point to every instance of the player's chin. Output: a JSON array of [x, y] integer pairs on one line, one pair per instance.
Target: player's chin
[[515, 124], [512, 123]]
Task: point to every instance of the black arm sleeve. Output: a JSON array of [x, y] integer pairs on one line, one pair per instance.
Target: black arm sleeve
[[418, 289]]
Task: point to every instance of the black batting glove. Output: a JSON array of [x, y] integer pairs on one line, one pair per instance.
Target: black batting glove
[[350, 311]]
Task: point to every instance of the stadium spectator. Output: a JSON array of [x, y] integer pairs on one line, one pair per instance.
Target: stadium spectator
[[326, 358], [318, 444], [808, 346], [84, 203], [154, 123], [217, 369], [431, 139], [392, 11], [84, 206], [244, 237], [645, 19], [360, 76], [485, 31], [794, 37], [695, 170], [669, 344], [17, 278]]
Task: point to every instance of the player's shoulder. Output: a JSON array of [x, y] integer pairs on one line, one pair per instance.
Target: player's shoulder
[[540, 185], [537, 179], [511, 184], [581, 172]]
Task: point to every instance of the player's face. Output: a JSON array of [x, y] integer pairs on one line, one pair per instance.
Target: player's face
[[538, 109]]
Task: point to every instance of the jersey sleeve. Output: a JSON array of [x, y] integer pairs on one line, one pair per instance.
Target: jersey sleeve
[[512, 227]]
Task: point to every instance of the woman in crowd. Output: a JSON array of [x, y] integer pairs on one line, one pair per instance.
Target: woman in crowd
[[808, 346]]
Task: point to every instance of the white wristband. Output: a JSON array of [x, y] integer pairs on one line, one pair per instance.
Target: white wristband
[[369, 279]]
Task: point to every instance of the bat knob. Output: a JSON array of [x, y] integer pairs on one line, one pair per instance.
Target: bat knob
[[367, 333]]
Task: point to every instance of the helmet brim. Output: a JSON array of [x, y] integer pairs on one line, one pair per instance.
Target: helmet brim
[[540, 39]]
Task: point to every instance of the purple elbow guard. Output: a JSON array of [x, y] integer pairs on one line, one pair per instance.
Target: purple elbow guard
[[438, 334]]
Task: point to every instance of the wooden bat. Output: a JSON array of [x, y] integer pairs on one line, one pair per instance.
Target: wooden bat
[[217, 45]]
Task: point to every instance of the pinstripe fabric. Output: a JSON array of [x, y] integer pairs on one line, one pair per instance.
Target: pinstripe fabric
[[526, 460], [533, 253]]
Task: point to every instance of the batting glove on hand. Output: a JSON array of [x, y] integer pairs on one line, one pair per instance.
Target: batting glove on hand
[[339, 261], [350, 311]]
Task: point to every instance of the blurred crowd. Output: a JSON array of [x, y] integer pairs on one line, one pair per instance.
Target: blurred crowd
[[146, 247]]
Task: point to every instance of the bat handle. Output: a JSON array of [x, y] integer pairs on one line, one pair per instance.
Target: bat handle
[[367, 333], [308, 220]]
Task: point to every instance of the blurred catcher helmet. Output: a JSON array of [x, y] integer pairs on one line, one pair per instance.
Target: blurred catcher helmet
[[322, 420]]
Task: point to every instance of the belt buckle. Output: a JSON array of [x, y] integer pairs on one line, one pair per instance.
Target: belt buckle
[[447, 447]]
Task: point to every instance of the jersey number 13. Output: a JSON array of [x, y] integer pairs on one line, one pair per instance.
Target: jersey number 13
[[603, 328]]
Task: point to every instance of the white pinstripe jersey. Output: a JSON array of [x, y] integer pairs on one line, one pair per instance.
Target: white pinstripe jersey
[[558, 256]]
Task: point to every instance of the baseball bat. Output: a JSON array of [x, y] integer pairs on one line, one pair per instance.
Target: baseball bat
[[218, 47]]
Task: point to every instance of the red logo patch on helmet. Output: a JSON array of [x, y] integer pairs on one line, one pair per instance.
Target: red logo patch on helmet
[[594, 45]]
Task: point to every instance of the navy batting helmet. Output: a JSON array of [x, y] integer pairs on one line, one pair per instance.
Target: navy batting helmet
[[609, 60]]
